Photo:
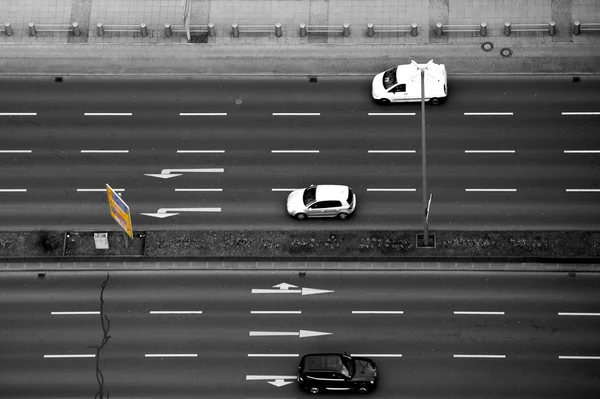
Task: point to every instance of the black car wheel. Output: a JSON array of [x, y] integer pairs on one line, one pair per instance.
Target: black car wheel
[[314, 390], [363, 390], [300, 216], [384, 101]]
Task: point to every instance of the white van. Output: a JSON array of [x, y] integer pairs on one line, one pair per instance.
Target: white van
[[403, 83]]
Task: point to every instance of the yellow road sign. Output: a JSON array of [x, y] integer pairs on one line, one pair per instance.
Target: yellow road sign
[[119, 211]]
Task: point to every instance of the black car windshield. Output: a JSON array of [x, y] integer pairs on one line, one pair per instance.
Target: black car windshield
[[389, 78], [348, 368], [309, 196]]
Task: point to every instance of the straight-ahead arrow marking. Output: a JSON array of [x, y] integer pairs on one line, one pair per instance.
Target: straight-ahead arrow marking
[[301, 333], [284, 288]]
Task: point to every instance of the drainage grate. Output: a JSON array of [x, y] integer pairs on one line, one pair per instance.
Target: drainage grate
[[576, 79], [301, 274], [58, 79], [312, 79], [41, 276], [572, 275]]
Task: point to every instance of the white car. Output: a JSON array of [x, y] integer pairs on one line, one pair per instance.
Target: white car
[[321, 201], [402, 83]]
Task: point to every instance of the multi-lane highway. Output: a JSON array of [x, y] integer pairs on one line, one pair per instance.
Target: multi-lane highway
[[240, 334], [503, 152]]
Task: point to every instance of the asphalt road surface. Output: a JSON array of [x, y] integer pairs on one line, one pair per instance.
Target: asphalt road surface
[[534, 171], [213, 335]]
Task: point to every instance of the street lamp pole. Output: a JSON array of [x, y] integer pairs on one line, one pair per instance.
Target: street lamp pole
[[424, 161]]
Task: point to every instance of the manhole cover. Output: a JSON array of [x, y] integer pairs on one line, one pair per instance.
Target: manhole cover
[[487, 46], [506, 52], [238, 100]]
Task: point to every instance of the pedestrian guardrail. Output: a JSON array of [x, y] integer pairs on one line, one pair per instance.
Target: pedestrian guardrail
[[441, 28], [549, 28], [306, 29], [579, 27], [210, 29], [372, 29], [34, 29], [8, 29], [236, 29], [142, 29]]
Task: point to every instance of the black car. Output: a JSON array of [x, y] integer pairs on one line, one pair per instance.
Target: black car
[[323, 372]]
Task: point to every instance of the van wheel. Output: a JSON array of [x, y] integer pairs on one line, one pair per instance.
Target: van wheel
[[314, 390], [384, 101], [434, 101], [343, 216]]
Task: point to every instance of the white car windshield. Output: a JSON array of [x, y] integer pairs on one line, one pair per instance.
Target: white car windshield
[[389, 78], [309, 196]]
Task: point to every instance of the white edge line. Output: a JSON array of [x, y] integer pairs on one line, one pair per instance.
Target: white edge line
[[198, 189], [175, 312], [376, 354], [13, 190], [273, 354], [171, 355], [489, 151], [202, 113], [294, 151], [75, 313], [275, 312], [482, 356], [200, 151], [377, 312], [66, 356], [466, 312], [492, 189], [392, 151], [296, 113], [580, 357], [391, 189], [15, 151], [577, 314], [98, 189], [104, 151]]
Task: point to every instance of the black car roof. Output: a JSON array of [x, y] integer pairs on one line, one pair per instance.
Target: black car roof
[[323, 361]]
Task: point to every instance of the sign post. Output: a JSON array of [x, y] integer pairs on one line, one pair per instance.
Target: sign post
[[428, 207], [187, 8], [120, 213]]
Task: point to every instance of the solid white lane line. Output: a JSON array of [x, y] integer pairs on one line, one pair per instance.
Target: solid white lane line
[[171, 355], [392, 113], [15, 151], [465, 312], [377, 312], [13, 190], [269, 377], [376, 354], [200, 151], [577, 314], [104, 151], [107, 113], [581, 113], [284, 189], [175, 312], [492, 189], [489, 151], [294, 151], [202, 113], [75, 313], [392, 151], [487, 113], [275, 312], [18, 113], [98, 189], [391, 189], [66, 356], [583, 190], [582, 151], [273, 354], [296, 113], [482, 356], [198, 189], [580, 357]]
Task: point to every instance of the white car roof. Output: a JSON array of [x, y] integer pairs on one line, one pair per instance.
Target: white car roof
[[406, 71], [330, 192]]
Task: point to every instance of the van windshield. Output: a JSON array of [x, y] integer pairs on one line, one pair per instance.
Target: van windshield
[[389, 78]]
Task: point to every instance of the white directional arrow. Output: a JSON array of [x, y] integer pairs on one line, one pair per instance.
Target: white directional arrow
[[284, 288], [300, 334], [279, 380], [168, 173], [166, 212]]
